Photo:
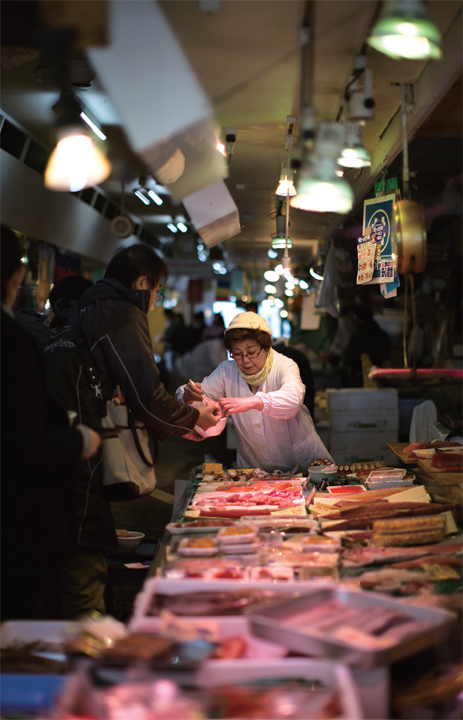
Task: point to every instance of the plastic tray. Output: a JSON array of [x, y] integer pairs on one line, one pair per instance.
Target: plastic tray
[[183, 549], [274, 623], [225, 537], [218, 628], [13, 632], [219, 672]]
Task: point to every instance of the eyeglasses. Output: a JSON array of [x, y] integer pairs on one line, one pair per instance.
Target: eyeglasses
[[251, 354], [159, 296]]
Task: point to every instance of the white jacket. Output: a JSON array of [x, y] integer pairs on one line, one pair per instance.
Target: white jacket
[[282, 434]]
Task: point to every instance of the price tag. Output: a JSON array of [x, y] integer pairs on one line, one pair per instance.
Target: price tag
[[298, 510]]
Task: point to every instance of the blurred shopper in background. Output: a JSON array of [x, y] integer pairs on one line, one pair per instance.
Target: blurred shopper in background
[[368, 339]]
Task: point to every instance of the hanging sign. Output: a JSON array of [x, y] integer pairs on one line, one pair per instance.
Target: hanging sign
[[377, 216]]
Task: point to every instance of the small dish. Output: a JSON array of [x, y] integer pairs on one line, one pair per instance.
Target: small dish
[[130, 541], [424, 453], [317, 474]]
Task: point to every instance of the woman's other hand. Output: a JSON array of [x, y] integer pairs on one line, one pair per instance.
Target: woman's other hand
[[209, 416], [192, 392], [239, 405]]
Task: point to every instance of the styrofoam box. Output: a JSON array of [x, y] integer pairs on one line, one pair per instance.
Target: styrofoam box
[[349, 447], [214, 673], [367, 421], [28, 631], [363, 399]]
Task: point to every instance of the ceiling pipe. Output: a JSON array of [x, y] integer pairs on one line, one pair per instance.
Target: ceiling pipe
[[307, 55]]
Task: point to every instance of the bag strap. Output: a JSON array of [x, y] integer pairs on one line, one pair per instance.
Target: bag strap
[[87, 360], [90, 369], [133, 427]]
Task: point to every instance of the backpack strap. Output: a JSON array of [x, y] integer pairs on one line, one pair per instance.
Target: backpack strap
[[87, 360]]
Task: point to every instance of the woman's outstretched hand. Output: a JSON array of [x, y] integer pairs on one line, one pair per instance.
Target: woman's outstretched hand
[[239, 405]]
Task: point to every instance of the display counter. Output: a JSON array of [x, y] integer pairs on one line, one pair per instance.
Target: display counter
[[254, 572]]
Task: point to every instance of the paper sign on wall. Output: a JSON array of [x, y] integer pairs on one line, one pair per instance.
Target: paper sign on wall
[[377, 216]]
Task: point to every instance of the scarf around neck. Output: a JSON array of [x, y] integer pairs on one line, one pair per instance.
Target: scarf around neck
[[258, 377]]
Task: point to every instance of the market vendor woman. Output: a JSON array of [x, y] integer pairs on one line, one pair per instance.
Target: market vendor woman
[[263, 392]]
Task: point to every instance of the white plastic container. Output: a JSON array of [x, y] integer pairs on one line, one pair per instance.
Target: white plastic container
[[214, 673]]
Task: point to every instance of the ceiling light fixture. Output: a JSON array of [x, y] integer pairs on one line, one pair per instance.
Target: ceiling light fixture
[[354, 153], [405, 30], [303, 285], [270, 289], [77, 162], [271, 276], [138, 192], [286, 184], [315, 274], [279, 240], [319, 188], [272, 254], [182, 227], [172, 227], [85, 116], [155, 197]]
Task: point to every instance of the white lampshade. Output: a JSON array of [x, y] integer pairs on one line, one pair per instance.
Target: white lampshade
[[76, 162]]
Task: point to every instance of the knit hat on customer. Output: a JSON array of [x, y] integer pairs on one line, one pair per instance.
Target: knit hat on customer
[[249, 321]]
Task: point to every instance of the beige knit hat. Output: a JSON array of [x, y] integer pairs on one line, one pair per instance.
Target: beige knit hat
[[249, 321]]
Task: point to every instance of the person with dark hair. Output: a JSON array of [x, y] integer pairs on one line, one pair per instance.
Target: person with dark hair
[[39, 454], [368, 339], [305, 371], [40, 326], [215, 330], [112, 316], [263, 392]]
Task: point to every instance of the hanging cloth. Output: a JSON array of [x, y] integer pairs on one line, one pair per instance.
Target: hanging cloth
[[259, 377]]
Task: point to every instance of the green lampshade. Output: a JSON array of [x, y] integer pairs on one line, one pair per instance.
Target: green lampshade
[[279, 242], [319, 189], [405, 31]]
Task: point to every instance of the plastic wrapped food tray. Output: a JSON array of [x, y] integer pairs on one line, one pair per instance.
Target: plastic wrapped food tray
[[274, 623], [223, 672], [246, 535], [192, 551]]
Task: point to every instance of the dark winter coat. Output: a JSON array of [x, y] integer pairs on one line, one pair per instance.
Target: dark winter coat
[[114, 322], [39, 454]]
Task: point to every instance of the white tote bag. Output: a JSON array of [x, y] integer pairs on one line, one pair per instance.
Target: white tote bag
[[128, 467]]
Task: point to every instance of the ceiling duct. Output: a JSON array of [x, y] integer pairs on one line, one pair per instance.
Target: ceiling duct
[[164, 111]]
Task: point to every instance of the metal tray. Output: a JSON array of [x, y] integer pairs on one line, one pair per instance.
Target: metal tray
[[272, 623]]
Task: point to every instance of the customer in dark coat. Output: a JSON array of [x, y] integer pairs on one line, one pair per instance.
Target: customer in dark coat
[[39, 453], [113, 319]]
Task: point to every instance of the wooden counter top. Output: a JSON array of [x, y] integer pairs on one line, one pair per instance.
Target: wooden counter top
[[398, 448]]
